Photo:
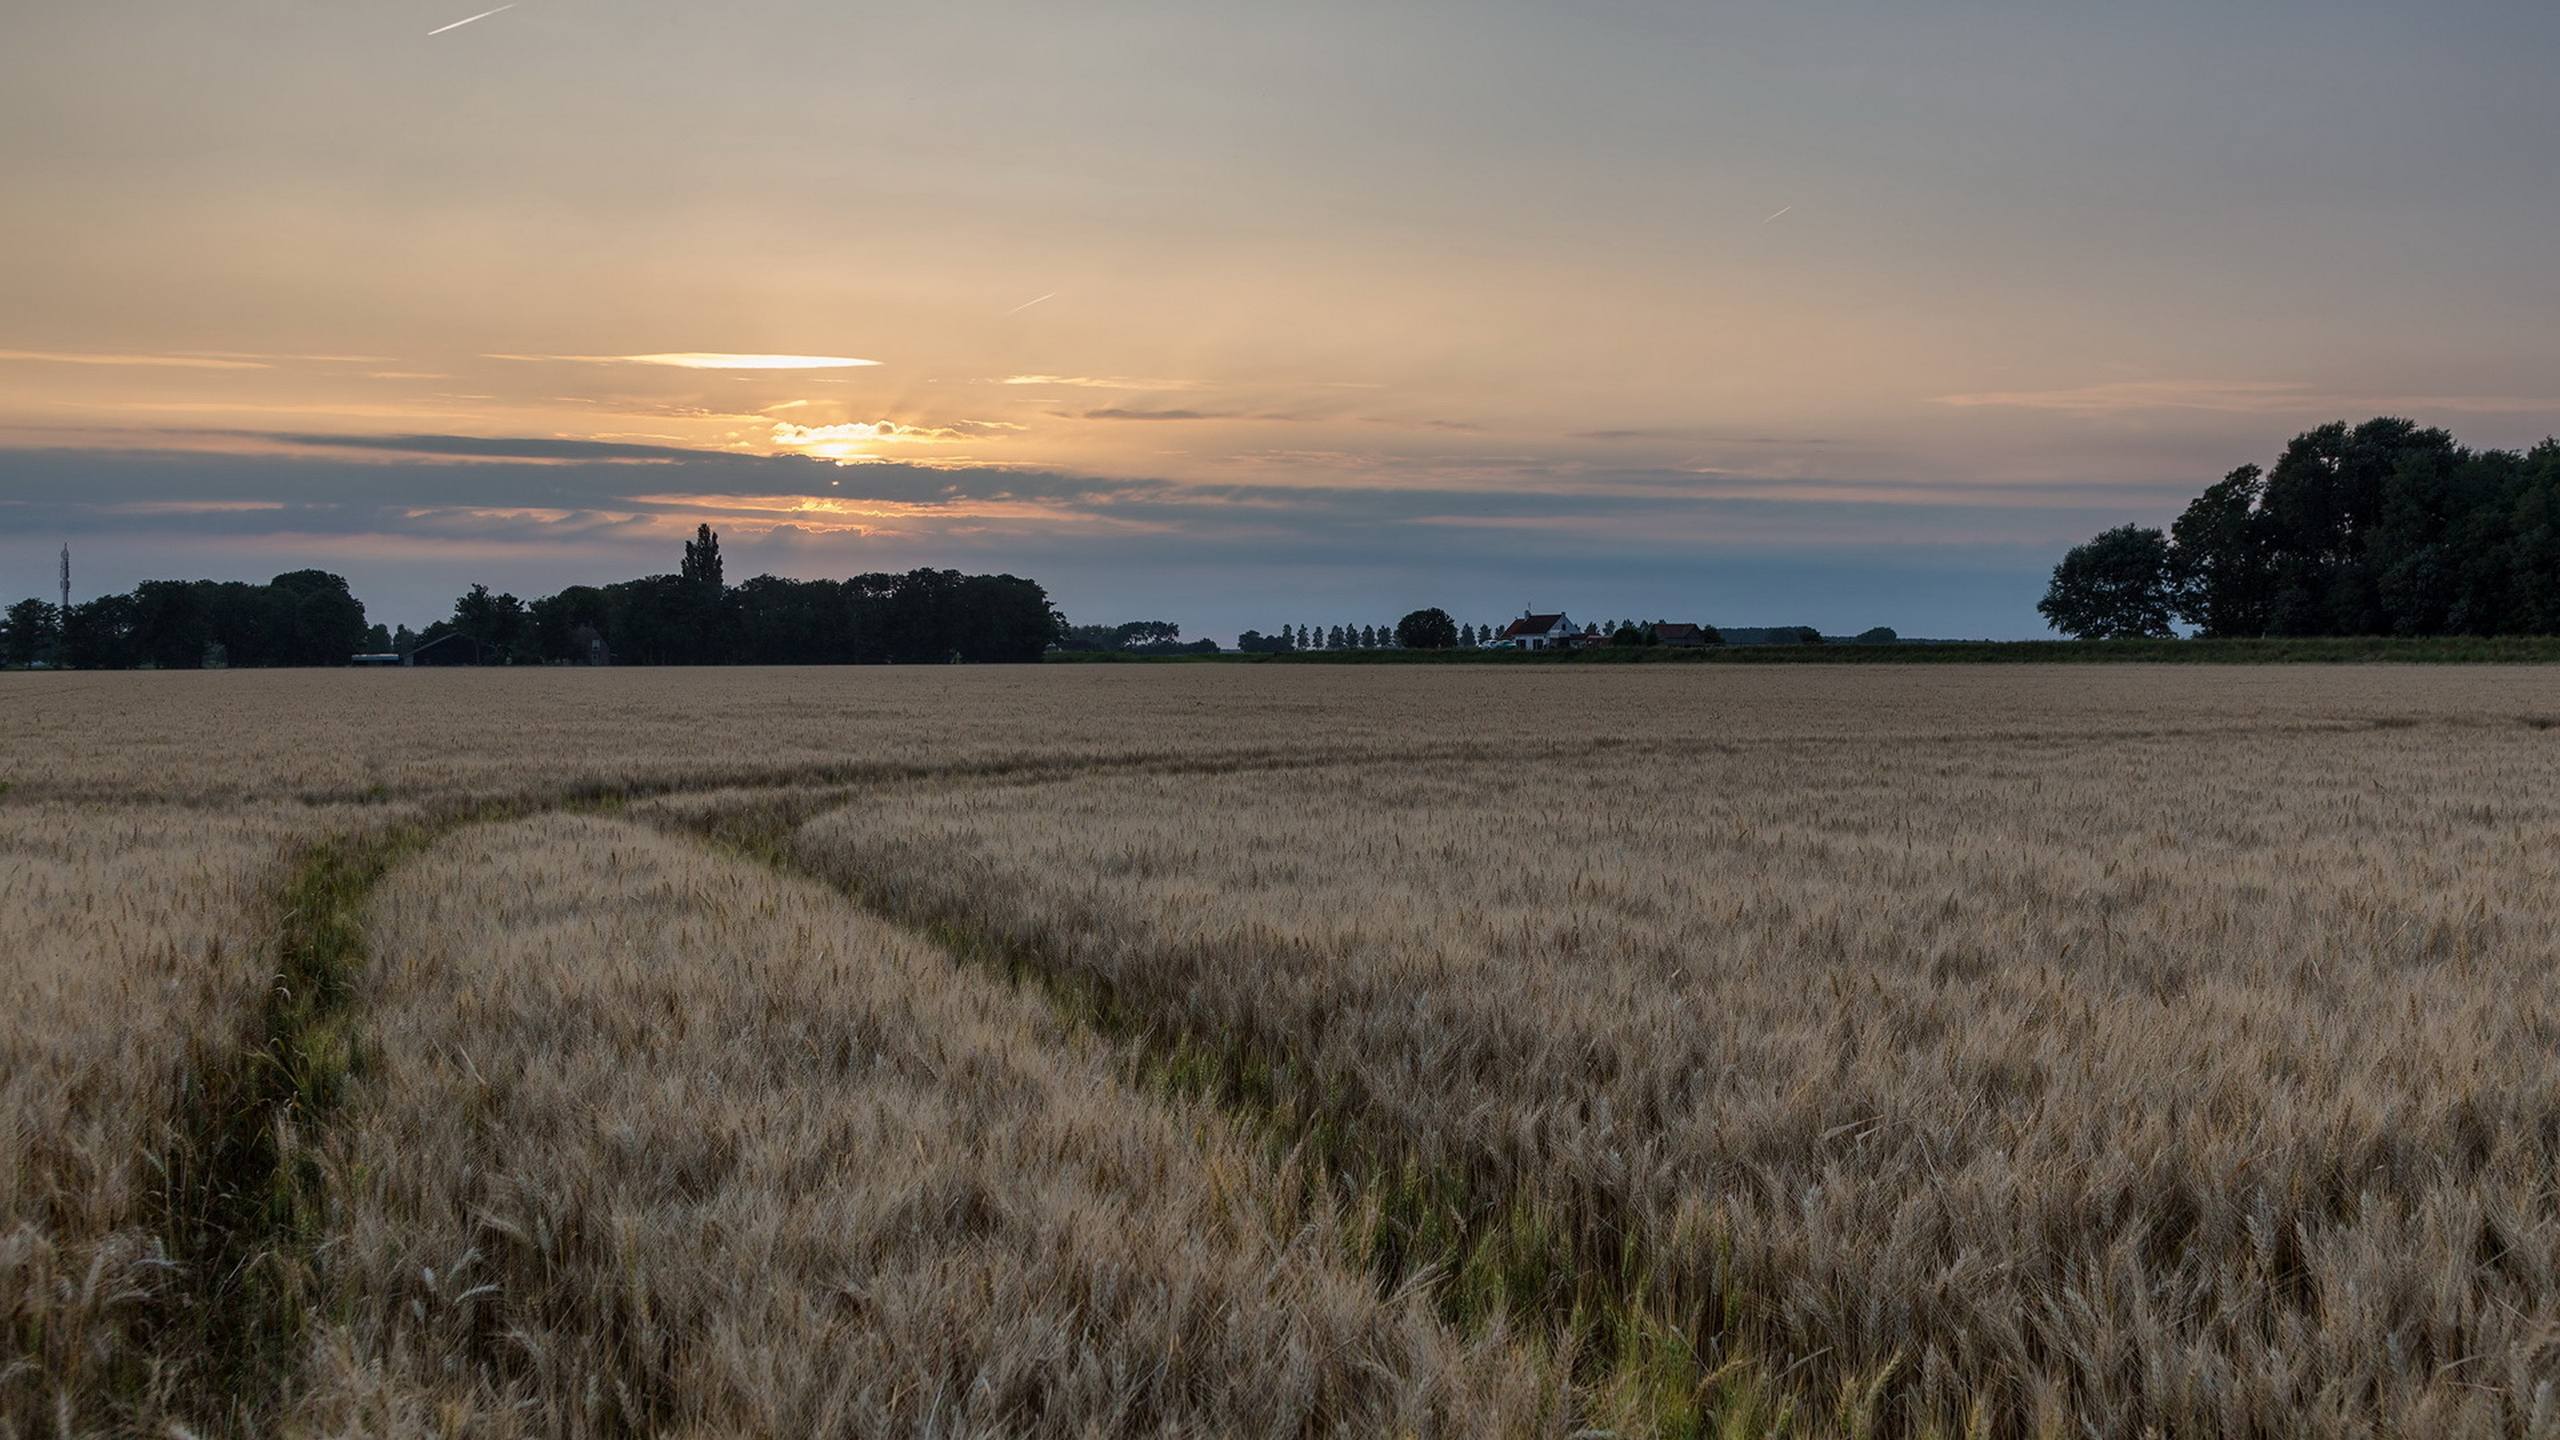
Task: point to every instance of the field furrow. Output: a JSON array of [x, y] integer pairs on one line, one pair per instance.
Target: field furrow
[[141, 957], [1654, 1052], [657, 1140], [2205, 1086]]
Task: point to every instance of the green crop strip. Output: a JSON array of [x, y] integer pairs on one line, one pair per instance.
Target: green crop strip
[[243, 1196]]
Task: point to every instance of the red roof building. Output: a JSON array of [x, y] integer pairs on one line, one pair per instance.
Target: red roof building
[[1539, 632]]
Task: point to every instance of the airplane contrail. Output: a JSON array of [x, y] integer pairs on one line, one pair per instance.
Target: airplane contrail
[[1783, 209], [458, 24], [1027, 304]]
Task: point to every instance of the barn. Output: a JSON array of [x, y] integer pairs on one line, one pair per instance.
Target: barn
[[458, 649]]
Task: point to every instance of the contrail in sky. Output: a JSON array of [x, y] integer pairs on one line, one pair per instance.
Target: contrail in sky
[[458, 24], [1027, 304], [1783, 209]]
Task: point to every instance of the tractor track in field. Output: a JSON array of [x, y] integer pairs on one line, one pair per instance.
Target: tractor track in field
[[246, 1204]]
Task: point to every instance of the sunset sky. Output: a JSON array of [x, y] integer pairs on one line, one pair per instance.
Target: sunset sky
[[1236, 314]]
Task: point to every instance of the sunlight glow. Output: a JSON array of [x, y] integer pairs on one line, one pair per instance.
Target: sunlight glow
[[854, 440], [800, 509]]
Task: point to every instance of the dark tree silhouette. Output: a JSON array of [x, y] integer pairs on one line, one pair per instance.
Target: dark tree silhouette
[[319, 621], [308, 617], [495, 620], [2380, 528], [2115, 587], [1430, 629], [30, 633], [103, 634], [1142, 637], [702, 559]]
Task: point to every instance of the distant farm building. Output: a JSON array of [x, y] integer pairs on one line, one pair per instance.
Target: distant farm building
[[458, 649], [1539, 632], [379, 658], [1680, 633], [587, 647]]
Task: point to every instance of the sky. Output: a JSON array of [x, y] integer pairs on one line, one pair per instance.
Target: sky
[[1841, 314]]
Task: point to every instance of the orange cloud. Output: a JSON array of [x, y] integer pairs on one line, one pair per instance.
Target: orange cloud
[[821, 508], [707, 360], [2238, 397], [175, 362]]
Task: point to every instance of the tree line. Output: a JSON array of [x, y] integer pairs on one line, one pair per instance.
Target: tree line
[[2380, 529], [309, 617], [302, 617], [1134, 637], [1340, 637], [694, 618], [1431, 629]]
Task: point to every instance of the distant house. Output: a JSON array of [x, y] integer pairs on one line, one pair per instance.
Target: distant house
[[587, 644], [1680, 633], [1539, 632], [458, 649]]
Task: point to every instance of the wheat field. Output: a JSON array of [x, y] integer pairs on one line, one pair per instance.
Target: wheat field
[[684, 1146], [137, 951], [1283, 1050]]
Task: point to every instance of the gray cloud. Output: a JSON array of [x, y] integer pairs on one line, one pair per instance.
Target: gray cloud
[[1699, 434], [484, 448], [412, 519], [1123, 412], [345, 484]]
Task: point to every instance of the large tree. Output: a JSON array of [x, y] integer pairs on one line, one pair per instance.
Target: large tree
[[103, 634], [557, 620], [2115, 587], [2382, 528], [172, 625], [31, 632], [1430, 629], [499, 621], [702, 558], [320, 621], [2222, 557]]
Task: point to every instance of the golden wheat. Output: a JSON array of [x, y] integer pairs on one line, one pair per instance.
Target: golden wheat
[[206, 737], [2200, 1079], [136, 970], [660, 1141], [2104, 1050]]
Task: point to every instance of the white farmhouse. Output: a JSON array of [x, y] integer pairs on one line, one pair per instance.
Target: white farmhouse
[[1539, 632]]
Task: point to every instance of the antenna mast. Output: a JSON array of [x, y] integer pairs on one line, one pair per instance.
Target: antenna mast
[[66, 582]]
